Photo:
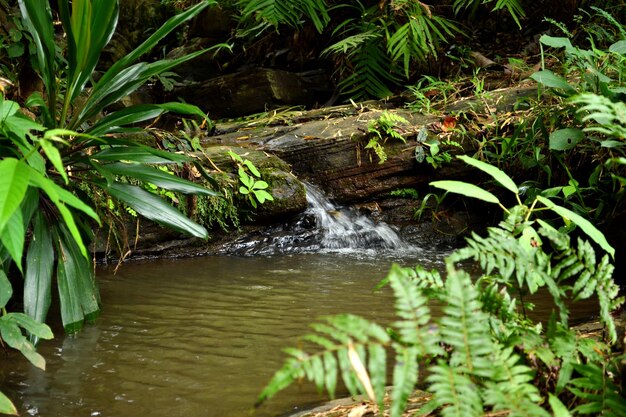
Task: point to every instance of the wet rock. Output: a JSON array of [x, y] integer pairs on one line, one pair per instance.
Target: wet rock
[[254, 91]]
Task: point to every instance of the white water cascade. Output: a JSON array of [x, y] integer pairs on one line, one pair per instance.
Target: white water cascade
[[346, 229], [323, 227]]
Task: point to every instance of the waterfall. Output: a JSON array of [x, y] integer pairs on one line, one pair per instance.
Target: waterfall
[[345, 229], [323, 227]]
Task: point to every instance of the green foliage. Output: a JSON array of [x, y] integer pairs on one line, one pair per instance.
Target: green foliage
[[253, 187], [68, 143], [513, 7], [481, 352], [385, 126]]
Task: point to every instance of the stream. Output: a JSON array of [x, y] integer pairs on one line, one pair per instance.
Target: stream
[[201, 337]]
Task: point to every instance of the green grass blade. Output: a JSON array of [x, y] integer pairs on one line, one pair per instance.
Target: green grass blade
[[155, 209]]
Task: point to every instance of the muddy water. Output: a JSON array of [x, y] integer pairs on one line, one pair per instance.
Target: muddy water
[[195, 337]]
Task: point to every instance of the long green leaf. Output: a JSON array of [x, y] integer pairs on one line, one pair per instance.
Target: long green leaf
[[496, 173], [153, 40], [6, 406], [6, 289], [89, 28], [33, 327], [13, 337], [584, 224], [126, 82], [155, 209], [54, 156], [139, 113], [13, 236], [77, 289], [550, 79], [14, 178], [466, 189], [39, 267], [159, 178], [38, 19], [143, 154]]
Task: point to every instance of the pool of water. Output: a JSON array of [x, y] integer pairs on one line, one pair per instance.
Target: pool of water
[[196, 337]]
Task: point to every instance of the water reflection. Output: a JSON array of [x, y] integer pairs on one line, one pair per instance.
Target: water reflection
[[194, 337]]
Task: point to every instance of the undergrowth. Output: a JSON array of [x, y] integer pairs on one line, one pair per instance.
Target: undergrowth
[[483, 353]]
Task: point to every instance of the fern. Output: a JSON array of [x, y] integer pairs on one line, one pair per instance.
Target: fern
[[600, 395], [291, 13], [511, 387], [609, 117], [462, 326], [513, 7], [454, 391]]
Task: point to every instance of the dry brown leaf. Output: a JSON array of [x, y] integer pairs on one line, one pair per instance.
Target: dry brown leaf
[[361, 372], [360, 410]]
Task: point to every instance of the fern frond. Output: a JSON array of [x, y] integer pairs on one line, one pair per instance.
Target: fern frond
[[411, 306], [599, 394], [405, 374], [511, 387], [462, 326], [335, 337], [454, 392], [276, 12]]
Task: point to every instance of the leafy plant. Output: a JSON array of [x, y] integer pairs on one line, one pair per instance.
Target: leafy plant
[[482, 353], [11, 325], [513, 7], [381, 128], [253, 188]]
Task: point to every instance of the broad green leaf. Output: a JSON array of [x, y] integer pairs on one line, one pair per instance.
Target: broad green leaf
[[565, 139], [551, 80], [7, 109], [253, 169], [263, 196], [6, 406], [142, 154], [78, 294], [559, 409], [159, 178], [60, 196], [155, 209], [14, 177], [496, 173], [619, 47], [584, 224], [13, 236], [557, 42], [6, 289], [12, 335], [54, 156], [39, 267], [466, 189], [33, 327]]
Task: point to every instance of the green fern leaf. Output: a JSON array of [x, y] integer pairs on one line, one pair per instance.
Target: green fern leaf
[[454, 392], [405, 374], [462, 326]]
